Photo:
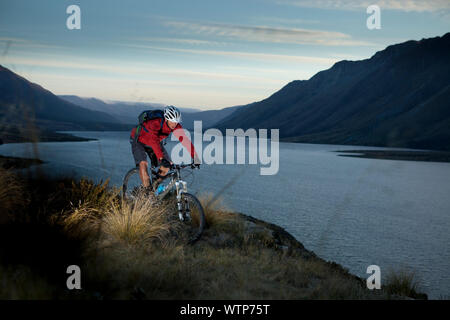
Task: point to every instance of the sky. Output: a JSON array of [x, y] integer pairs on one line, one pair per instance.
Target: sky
[[203, 54]]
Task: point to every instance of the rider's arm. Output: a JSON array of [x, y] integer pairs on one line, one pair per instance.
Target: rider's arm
[[179, 133]]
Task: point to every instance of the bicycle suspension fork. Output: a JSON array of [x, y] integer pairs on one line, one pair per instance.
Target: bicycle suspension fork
[[181, 186]]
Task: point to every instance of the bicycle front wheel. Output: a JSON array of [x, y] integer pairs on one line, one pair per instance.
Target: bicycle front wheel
[[192, 216]]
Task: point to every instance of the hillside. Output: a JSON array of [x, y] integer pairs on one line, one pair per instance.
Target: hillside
[[128, 112], [134, 251], [122, 112], [208, 118], [24, 104], [400, 97]]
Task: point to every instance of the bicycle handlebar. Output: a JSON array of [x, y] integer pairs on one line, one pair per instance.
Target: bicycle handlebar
[[182, 166]]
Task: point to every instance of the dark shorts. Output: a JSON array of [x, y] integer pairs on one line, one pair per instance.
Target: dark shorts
[[141, 151]]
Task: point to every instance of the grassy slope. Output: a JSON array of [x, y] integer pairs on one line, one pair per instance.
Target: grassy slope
[[135, 252]]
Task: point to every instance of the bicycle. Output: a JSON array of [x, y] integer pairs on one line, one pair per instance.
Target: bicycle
[[190, 210]]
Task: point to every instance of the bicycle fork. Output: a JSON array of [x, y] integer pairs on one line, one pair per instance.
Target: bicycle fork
[[181, 186]]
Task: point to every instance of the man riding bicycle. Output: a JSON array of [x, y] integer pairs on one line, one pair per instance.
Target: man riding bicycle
[[150, 142]]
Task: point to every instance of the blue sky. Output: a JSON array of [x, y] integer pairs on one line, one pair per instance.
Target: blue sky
[[204, 54]]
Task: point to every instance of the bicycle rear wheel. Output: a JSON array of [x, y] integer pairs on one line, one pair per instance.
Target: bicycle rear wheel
[[193, 217], [132, 185]]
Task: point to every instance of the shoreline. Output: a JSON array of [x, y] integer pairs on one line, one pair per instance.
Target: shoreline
[[410, 155], [18, 163], [46, 136], [280, 240], [427, 156]]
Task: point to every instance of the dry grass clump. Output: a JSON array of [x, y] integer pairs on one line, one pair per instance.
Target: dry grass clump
[[402, 282], [109, 220], [221, 222], [89, 204], [98, 195], [216, 212], [138, 222], [12, 196]]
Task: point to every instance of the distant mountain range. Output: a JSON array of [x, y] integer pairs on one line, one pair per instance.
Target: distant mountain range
[[123, 112], [127, 112], [28, 109], [400, 97], [208, 118]]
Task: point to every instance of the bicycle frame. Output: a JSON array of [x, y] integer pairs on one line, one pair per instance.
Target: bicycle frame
[[180, 187]]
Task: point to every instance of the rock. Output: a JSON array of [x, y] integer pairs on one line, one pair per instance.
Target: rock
[[276, 235]]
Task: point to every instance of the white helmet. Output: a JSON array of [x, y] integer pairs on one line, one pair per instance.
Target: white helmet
[[172, 113]]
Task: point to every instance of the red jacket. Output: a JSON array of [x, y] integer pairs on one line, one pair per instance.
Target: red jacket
[[151, 135]]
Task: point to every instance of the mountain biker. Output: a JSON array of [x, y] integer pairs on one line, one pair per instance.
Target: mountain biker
[[150, 142]]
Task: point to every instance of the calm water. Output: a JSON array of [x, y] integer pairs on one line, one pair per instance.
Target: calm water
[[357, 212]]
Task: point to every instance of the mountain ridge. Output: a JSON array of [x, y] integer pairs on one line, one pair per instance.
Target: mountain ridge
[[24, 103], [366, 102]]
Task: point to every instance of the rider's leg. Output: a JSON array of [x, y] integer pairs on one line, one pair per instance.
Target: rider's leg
[[165, 164], [140, 159], [143, 173]]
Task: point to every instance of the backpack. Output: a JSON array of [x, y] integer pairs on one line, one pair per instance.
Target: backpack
[[145, 116]]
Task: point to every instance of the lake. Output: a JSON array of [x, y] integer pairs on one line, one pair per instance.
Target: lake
[[354, 211]]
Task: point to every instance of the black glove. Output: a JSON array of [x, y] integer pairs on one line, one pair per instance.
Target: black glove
[[164, 163], [195, 165]]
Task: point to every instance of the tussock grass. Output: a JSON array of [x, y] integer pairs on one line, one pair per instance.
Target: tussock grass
[[216, 212], [137, 223], [221, 222], [83, 220], [12, 196], [89, 203], [97, 195], [403, 282]]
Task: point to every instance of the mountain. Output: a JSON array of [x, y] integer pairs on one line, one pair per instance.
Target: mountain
[[94, 104], [127, 112], [23, 103], [208, 118], [123, 112], [400, 97]]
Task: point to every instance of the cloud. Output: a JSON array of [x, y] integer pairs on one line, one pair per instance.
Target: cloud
[[285, 21], [25, 43], [268, 34], [402, 5], [180, 93], [131, 71], [194, 42], [246, 55]]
